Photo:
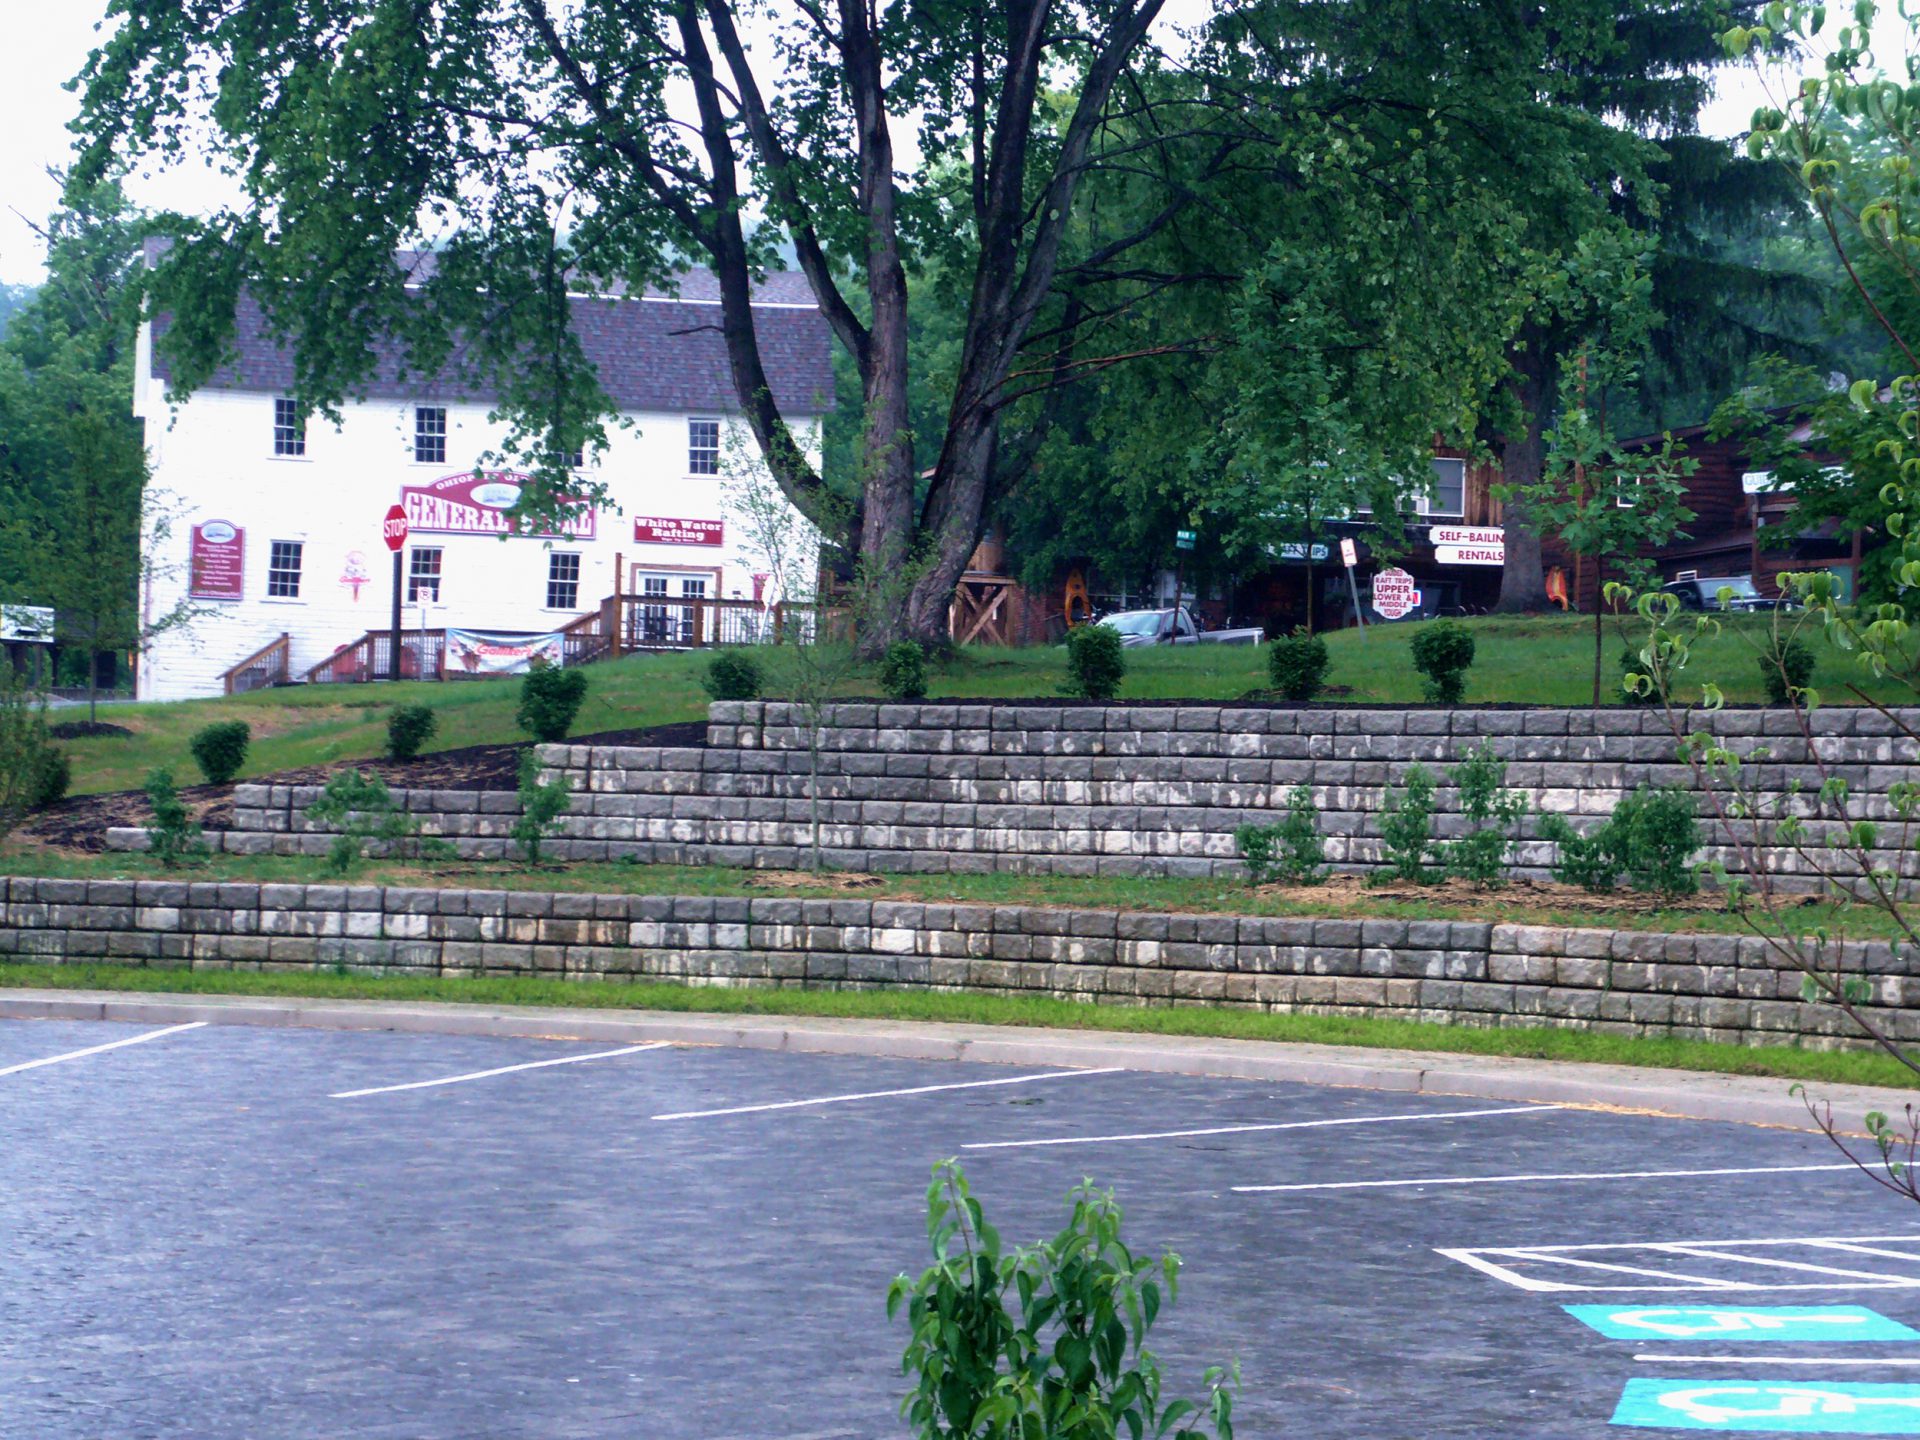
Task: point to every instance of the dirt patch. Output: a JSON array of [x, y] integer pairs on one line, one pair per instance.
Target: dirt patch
[[812, 880], [1344, 892], [84, 730], [82, 822]]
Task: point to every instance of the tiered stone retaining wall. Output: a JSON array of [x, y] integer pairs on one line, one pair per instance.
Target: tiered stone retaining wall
[[1718, 987], [1081, 790]]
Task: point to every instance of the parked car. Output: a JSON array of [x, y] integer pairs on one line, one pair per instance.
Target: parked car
[[1172, 626], [1702, 592]]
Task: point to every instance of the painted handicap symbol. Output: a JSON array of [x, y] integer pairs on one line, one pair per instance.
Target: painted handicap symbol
[[1794, 1323], [1776, 1407]]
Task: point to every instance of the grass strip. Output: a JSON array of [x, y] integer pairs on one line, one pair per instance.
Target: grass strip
[[1785, 1062]]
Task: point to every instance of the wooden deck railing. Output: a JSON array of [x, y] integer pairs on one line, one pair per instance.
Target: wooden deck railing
[[266, 666], [423, 656]]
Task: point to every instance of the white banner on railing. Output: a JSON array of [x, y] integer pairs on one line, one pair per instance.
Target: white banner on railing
[[490, 652]]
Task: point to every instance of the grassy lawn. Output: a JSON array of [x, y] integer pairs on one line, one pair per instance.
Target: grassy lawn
[[1152, 893], [1843, 1067], [1537, 660]]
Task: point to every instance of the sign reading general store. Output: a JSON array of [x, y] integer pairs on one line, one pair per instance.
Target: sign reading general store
[[663, 530], [476, 503]]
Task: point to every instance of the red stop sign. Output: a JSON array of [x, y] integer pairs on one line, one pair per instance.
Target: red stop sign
[[394, 528]]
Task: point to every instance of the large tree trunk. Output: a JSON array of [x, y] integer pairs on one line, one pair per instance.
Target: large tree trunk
[[1523, 585]]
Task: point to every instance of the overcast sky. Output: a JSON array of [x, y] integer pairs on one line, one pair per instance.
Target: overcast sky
[[47, 44]]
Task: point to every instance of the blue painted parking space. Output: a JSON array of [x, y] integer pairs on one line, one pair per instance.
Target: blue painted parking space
[[1817, 1324], [1770, 1407]]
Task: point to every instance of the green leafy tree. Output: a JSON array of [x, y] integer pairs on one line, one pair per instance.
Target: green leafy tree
[[1607, 502], [73, 471], [601, 144]]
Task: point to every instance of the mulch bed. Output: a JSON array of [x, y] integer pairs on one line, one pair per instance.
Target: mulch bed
[[1341, 892], [81, 823]]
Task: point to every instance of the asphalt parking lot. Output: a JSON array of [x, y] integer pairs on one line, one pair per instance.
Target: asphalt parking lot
[[217, 1231]]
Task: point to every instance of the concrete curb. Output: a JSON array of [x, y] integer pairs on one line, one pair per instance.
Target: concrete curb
[[1676, 1093]]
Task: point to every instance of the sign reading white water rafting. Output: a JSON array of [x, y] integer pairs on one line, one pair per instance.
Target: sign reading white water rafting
[[476, 502]]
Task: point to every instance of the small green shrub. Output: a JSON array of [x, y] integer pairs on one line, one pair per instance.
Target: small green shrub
[[1480, 853], [221, 749], [174, 836], [1297, 665], [1785, 666], [23, 744], [541, 807], [1096, 662], [550, 698], [1406, 830], [1650, 839], [1048, 1340], [732, 675], [1442, 653], [361, 808], [903, 671], [409, 727], [1290, 850], [52, 774]]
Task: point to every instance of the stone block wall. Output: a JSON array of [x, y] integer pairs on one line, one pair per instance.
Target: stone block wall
[[1690, 986], [1093, 789]]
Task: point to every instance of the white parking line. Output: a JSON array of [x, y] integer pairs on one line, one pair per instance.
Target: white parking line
[[1530, 1179], [887, 1094], [1821, 1360], [1250, 1129], [499, 1070], [97, 1049], [1531, 1267]]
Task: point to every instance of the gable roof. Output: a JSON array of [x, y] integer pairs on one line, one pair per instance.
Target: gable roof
[[651, 353]]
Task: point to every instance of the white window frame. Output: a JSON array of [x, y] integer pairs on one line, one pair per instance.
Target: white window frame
[[417, 578], [554, 557], [1428, 501], [422, 431], [289, 429], [703, 455], [299, 548]]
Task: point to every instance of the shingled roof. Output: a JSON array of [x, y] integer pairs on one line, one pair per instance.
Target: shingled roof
[[655, 353]]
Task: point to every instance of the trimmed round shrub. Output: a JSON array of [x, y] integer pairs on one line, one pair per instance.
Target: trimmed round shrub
[[550, 698], [1096, 662], [732, 675], [408, 728], [903, 671], [1785, 670], [1442, 653], [1297, 664], [52, 774], [220, 750]]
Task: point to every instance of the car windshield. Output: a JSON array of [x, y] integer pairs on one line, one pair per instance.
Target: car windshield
[[1136, 622]]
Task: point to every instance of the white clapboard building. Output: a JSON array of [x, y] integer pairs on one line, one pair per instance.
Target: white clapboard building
[[274, 528]]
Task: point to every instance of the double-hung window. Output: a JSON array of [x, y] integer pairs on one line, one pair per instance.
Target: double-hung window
[[289, 427], [283, 569], [1448, 497], [563, 579], [703, 447], [423, 574], [430, 434]]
